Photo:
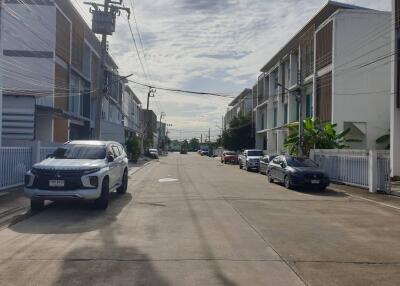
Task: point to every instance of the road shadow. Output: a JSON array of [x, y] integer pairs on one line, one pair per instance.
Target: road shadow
[[72, 217], [108, 264]]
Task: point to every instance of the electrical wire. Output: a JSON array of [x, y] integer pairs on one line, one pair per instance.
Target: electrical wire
[[182, 91]]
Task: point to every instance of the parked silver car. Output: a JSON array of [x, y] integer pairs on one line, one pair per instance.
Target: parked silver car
[[79, 170]]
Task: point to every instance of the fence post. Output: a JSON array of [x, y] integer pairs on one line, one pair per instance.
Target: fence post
[[373, 171], [35, 152], [312, 154]]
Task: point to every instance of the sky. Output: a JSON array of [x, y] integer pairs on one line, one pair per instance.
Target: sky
[[205, 45]]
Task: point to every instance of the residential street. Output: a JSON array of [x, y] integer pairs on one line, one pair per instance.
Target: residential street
[[189, 220]]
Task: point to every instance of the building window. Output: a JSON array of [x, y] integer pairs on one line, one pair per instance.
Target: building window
[[275, 115], [285, 113], [74, 101], [309, 111], [276, 82], [262, 121]]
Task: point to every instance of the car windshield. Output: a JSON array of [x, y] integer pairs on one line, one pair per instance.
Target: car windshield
[[300, 162], [152, 150], [230, 153], [255, 153], [80, 152]]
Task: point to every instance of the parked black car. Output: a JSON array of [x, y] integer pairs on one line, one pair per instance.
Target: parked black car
[[297, 172], [264, 163]]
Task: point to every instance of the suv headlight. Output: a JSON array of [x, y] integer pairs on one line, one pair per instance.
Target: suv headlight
[[29, 179]]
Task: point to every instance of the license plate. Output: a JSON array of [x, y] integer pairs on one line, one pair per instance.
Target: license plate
[[314, 181], [56, 183]]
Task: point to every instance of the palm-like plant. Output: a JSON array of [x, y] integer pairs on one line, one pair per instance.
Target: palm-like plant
[[315, 136], [384, 140]]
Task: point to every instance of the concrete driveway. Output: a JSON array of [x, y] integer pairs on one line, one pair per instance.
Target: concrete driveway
[[189, 220]]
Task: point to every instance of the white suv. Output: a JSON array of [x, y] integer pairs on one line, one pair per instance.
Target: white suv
[[79, 170]]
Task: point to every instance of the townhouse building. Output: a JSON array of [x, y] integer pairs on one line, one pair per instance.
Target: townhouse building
[[132, 113], [241, 105], [51, 75], [395, 96], [329, 70]]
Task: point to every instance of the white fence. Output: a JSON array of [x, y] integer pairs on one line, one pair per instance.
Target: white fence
[[362, 168], [16, 161]]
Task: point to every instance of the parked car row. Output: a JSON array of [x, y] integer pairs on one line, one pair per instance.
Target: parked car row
[[292, 171]]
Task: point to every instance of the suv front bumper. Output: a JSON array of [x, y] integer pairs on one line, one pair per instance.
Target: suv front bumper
[[79, 194]]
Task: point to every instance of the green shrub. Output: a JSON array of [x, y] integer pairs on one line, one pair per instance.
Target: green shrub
[[133, 148]]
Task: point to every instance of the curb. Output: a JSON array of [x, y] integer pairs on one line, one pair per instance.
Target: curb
[[136, 169], [365, 199]]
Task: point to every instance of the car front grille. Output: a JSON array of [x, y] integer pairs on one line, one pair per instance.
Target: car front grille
[[72, 179]]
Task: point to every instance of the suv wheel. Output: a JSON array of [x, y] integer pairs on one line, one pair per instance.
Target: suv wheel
[[124, 185], [37, 204], [288, 185], [102, 202], [270, 179], [240, 165]]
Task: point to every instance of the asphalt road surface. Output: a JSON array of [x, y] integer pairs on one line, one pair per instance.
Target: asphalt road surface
[[189, 220]]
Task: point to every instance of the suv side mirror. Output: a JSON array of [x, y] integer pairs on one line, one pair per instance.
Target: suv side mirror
[[283, 165], [110, 158]]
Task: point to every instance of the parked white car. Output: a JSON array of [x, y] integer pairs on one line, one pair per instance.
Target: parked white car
[[79, 170], [250, 159], [154, 153]]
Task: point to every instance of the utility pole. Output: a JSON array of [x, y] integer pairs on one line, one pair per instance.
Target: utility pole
[[151, 93], [298, 94], [162, 114], [103, 22], [209, 135], [201, 138]]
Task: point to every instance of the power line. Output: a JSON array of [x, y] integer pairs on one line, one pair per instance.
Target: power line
[[182, 90]]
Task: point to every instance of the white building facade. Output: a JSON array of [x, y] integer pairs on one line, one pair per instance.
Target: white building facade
[[331, 69], [50, 75], [132, 113], [241, 105]]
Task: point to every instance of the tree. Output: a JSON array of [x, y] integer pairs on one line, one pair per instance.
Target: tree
[[194, 144], [316, 136], [133, 148], [239, 135]]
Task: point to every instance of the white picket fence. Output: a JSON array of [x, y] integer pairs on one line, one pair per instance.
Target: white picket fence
[[16, 161], [362, 168]]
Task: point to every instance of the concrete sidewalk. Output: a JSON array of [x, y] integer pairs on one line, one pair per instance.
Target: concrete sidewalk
[[377, 198], [13, 204]]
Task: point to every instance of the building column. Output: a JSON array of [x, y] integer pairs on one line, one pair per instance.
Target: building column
[[394, 102], [395, 139], [1, 79]]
